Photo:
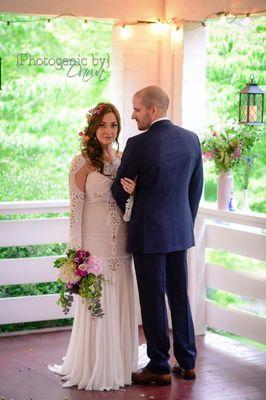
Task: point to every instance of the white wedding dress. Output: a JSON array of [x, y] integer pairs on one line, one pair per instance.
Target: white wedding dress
[[102, 352]]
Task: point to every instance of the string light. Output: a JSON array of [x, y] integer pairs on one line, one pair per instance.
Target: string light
[[125, 32], [177, 34], [246, 20], [159, 26], [49, 20], [48, 25], [85, 24]]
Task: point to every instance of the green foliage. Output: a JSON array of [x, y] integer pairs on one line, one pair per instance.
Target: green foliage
[[249, 342], [65, 299], [35, 325], [30, 289], [42, 109], [244, 264], [32, 251], [233, 261], [91, 291], [236, 51]]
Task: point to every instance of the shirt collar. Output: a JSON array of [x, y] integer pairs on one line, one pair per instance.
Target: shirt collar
[[159, 119]]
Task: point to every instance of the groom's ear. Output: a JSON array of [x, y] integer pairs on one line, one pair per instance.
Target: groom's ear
[[154, 110]]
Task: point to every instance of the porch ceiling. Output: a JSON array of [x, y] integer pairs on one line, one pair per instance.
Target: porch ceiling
[[126, 10]]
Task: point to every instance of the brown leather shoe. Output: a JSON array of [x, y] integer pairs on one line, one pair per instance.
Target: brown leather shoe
[[188, 374], [145, 377]]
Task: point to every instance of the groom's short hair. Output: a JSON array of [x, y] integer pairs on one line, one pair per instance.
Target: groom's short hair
[[153, 96]]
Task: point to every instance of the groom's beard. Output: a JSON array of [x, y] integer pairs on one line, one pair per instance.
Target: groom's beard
[[144, 124]]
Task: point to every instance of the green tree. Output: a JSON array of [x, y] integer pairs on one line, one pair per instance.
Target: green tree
[[43, 107], [234, 52]]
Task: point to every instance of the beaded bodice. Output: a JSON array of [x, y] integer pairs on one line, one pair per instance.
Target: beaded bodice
[[96, 222]]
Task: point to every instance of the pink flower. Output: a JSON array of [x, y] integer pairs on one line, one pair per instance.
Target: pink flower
[[214, 133], [99, 109], [208, 155], [94, 265], [84, 137], [82, 270], [236, 154]]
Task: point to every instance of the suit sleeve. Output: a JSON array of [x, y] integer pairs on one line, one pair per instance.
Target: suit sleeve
[[196, 185], [129, 168]]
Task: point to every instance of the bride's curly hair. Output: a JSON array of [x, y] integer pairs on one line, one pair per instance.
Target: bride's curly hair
[[90, 144]]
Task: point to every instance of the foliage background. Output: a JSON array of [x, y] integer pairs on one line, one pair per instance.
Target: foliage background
[[42, 110], [234, 52]]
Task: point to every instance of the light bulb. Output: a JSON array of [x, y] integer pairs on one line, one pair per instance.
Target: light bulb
[[48, 25], [177, 34], [159, 26], [223, 18], [246, 20], [85, 24], [125, 32]]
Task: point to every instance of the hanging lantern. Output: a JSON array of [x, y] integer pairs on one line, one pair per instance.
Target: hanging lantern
[[251, 104]]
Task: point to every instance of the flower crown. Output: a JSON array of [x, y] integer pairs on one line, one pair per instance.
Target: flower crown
[[91, 112], [95, 111]]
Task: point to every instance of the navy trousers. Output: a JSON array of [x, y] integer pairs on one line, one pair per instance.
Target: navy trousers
[[157, 275]]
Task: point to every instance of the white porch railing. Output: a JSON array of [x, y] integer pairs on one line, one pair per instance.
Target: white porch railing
[[238, 233]]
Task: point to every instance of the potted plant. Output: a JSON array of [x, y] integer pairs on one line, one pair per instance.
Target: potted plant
[[227, 147]]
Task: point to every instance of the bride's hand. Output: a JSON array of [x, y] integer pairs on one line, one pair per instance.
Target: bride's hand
[[129, 185]]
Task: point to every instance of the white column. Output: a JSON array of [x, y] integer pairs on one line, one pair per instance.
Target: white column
[[194, 78], [197, 276], [143, 59], [175, 61]]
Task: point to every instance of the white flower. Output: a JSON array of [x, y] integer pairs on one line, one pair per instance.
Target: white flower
[[67, 273], [83, 267]]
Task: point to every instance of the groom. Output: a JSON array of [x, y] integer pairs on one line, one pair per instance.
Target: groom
[[168, 164]]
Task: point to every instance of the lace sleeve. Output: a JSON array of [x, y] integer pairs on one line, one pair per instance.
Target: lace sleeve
[[77, 178], [128, 209]]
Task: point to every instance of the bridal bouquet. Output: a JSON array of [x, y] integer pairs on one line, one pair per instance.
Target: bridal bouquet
[[80, 273]]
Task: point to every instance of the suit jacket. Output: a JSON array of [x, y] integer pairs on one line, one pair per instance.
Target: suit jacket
[[167, 161]]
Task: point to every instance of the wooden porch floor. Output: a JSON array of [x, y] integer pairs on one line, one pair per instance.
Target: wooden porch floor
[[226, 370]]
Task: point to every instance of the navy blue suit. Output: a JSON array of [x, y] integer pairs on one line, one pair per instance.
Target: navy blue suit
[[168, 164]]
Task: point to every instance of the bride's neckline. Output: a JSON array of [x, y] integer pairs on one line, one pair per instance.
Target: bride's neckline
[[115, 159]]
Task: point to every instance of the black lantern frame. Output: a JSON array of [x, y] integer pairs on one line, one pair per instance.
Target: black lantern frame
[[251, 104]]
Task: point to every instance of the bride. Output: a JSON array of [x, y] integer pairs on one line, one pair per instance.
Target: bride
[[103, 352]]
